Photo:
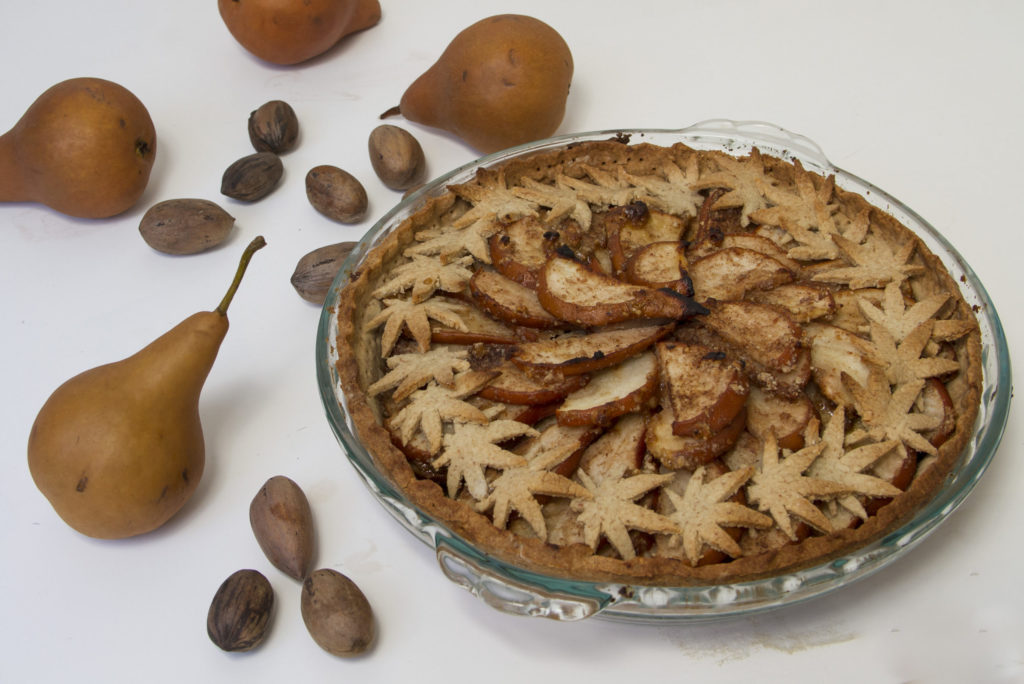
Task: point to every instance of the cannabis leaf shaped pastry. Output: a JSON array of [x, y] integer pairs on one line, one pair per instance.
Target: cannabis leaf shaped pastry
[[875, 264], [888, 413], [492, 201], [846, 466], [745, 181], [409, 372], [430, 407], [606, 189], [783, 490], [903, 361], [704, 509], [672, 194], [425, 275], [517, 489], [561, 200], [415, 317], [611, 511], [470, 449], [807, 216], [449, 242]]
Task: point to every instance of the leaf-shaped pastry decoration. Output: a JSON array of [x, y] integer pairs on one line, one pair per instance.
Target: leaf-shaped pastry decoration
[[470, 449], [888, 413], [874, 264], [783, 490], [838, 463], [409, 372], [611, 512], [674, 193], [745, 180], [807, 216], [517, 489], [434, 405], [415, 317], [703, 510], [904, 361], [425, 275], [895, 316], [449, 243], [603, 190], [560, 199]]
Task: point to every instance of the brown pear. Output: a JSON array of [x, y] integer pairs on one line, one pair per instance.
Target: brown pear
[[501, 82], [85, 148], [118, 449], [292, 31]]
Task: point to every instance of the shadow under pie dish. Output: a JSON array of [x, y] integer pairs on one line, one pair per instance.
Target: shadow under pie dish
[[661, 373]]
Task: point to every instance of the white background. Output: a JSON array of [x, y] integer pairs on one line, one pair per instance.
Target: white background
[[922, 98]]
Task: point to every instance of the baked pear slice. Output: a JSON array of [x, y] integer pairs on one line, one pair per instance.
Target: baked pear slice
[[617, 452], [731, 272], [787, 419], [630, 227], [765, 334], [515, 386], [612, 392], [705, 388], [574, 293], [508, 301], [521, 248], [675, 452], [577, 353], [660, 265]]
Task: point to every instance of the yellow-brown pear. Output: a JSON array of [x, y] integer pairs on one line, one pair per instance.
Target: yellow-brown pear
[[85, 148], [119, 449], [502, 81]]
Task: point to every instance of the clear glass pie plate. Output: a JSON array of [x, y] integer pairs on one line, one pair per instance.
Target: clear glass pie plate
[[518, 591]]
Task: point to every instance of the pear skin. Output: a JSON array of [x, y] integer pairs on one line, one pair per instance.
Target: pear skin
[[502, 81], [85, 148], [119, 449]]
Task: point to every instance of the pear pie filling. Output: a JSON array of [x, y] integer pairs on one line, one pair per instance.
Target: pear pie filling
[[658, 364]]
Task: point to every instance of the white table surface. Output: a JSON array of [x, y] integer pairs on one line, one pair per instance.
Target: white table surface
[[922, 98]]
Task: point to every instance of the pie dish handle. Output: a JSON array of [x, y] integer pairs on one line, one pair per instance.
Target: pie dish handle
[[766, 136], [513, 596]]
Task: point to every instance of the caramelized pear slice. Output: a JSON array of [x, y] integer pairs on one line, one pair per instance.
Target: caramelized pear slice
[[612, 392], [659, 265], [508, 301], [515, 386], [705, 389], [575, 293], [574, 354], [732, 272], [763, 333], [677, 452], [769, 413]]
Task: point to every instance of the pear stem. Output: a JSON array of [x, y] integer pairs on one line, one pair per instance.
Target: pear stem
[[256, 244]]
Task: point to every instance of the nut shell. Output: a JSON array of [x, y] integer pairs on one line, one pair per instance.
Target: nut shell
[[274, 127], [282, 522], [239, 615], [336, 194], [185, 226], [337, 614], [252, 177], [316, 271], [396, 156]]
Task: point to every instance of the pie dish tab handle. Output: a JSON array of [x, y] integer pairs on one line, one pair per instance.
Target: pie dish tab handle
[[766, 136], [512, 596]]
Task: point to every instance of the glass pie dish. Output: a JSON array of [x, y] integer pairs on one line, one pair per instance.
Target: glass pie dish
[[520, 591]]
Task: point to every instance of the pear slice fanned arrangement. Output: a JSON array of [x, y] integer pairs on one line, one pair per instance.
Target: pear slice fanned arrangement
[[119, 449]]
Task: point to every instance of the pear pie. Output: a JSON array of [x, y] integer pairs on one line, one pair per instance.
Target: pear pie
[[658, 365]]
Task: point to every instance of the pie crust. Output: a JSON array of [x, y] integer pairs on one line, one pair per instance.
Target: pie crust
[[658, 365]]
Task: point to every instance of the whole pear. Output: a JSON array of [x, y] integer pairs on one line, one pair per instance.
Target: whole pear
[[502, 81], [118, 449], [292, 31], [85, 148]]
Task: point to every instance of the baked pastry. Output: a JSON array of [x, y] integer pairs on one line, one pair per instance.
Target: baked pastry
[[658, 365]]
